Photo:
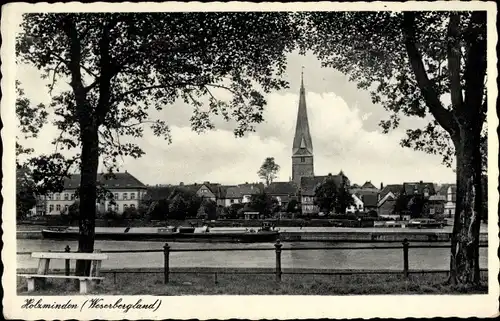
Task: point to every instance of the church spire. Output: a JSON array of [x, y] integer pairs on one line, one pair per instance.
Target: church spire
[[302, 142]]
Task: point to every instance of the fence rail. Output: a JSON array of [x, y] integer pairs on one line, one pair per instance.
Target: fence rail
[[278, 271]]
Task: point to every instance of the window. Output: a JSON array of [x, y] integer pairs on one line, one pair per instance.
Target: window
[[51, 208], [116, 196], [49, 196], [132, 205], [132, 196], [58, 196], [58, 207], [231, 201], [66, 208], [432, 211], [72, 196], [125, 196], [426, 192], [302, 159], [125, 206], [66, 196], [360, 206]]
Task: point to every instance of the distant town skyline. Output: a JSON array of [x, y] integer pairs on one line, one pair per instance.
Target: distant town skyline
[[344, 129]]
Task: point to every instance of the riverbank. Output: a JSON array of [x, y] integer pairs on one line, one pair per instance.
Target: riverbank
[[184, 283]]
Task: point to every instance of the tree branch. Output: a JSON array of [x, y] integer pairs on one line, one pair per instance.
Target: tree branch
[[51, 87], [74, 67], [443, 117], [106, 70], [453, 52]]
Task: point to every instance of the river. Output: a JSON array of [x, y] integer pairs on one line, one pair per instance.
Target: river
[[383, 259]]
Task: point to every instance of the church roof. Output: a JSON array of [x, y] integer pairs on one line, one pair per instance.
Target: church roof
[[302, 142]]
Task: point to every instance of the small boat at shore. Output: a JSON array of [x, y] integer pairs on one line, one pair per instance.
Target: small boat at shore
[[170, 233]]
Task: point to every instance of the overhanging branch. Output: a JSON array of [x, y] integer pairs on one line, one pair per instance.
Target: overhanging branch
[[443, 117]]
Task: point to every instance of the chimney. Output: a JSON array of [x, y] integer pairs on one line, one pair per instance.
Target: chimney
[[381, 186]]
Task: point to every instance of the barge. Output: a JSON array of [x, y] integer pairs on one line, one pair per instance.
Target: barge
[[170, 233]]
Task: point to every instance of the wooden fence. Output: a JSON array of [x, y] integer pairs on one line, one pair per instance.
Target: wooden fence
[[278, 248]]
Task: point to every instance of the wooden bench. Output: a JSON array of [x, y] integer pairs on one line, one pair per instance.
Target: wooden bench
[[43, 268]]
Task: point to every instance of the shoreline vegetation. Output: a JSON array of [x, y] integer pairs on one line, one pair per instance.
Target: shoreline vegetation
[[263, 284]]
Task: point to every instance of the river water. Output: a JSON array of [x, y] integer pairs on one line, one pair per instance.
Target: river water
[[381, 259]]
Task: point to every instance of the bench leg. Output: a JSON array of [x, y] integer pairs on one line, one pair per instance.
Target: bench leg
[[31, 284], [84, 286]]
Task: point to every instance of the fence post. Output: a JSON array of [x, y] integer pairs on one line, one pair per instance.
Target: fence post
[[166, 254], [278, 246], [67, 249], [405, 258]]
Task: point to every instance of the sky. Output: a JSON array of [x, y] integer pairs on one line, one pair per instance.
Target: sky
[[342, 119]]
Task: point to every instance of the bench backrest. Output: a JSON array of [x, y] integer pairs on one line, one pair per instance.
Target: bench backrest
[[69, 256]]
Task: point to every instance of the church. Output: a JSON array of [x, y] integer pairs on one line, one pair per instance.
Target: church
[[303, 159]]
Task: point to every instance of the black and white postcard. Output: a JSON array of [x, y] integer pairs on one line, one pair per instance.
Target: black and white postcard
[[249, 160]]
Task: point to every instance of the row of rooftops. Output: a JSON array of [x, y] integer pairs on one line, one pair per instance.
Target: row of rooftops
[[366, 192]]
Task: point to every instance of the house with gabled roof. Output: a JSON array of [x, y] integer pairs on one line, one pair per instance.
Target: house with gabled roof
[[228, 195], [308, 190], [126, 190], [247, 190], [387, 199], [283, 192]]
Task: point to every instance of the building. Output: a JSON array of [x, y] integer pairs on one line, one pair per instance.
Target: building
[[247, 190], [424, 189], [449, 192], [126, 190], [308, 187], [283, 192], [229, 195], [358, 204], [302, 150], [387, 200], [435, 206], [365, 197]]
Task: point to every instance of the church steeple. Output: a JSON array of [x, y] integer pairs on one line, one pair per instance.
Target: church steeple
[[302, 149], [302, 142]]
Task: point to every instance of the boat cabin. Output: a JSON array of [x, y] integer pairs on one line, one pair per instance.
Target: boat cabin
[[252, 215]]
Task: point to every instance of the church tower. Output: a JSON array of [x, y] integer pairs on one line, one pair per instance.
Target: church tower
[[302, 152]]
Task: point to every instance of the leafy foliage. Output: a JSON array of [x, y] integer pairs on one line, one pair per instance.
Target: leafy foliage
[[130, 63], [264, 203], [25, 192], [293, 206], [372, 48], [428, 65], [131, 213], [183, 203], [120, 66], [330, 196], [207, 209], [268, 170]]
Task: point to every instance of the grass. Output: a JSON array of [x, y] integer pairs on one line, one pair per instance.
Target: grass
[[260, 284]]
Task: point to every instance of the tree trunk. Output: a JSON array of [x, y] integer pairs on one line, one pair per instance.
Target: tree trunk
[[88, 195], [464, 262]]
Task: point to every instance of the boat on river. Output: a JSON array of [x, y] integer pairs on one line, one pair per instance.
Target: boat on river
[[170, 233]]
